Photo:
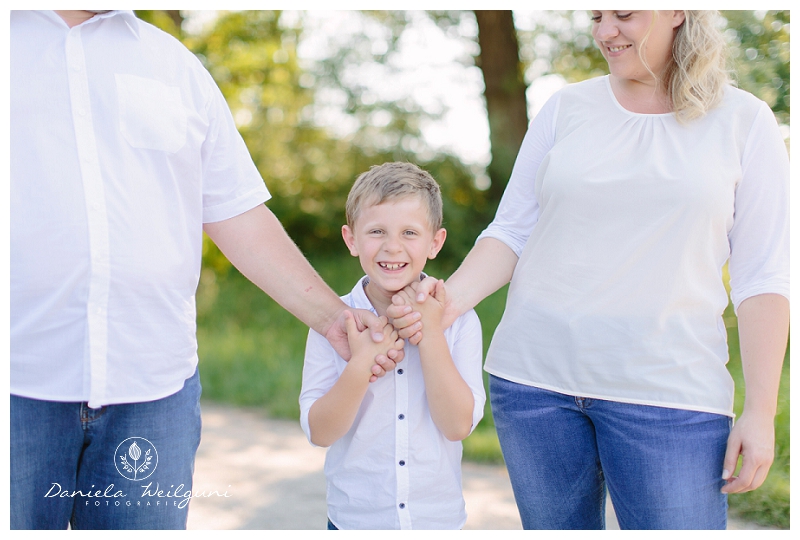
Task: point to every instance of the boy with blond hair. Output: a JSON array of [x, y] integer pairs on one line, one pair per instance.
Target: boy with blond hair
[[394, 460]]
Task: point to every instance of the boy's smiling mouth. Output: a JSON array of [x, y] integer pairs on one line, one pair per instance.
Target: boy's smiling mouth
[[392, 266]]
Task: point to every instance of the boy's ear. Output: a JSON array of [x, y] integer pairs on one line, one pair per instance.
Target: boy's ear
[[437, 243], [350, 240]]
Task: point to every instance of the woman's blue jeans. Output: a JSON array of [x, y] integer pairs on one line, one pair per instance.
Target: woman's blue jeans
[[662, 467], [68, 462]]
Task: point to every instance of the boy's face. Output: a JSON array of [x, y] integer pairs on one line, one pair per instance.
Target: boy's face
[[393, 240]]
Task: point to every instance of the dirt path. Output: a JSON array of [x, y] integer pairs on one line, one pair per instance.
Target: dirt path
[[260, 473]]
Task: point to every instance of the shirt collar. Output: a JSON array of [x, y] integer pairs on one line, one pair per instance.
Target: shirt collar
[[358, 295], [127, 15]]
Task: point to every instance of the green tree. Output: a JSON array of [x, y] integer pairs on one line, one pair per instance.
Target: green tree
[[760, 56]]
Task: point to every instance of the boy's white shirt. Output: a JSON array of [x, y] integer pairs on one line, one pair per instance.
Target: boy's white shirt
[[368, 488]]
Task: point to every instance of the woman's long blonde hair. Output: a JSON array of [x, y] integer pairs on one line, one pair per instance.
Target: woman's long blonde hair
[[696, 78]]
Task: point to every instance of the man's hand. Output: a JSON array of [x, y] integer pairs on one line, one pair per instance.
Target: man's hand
[[337, 336]]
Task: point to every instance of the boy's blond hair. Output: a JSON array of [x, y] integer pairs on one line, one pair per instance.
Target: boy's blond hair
[[393, 181]]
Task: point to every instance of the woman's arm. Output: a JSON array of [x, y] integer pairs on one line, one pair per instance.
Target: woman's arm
[[763, 331]]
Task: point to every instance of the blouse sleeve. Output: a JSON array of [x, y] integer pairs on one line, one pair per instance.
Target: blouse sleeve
[[519, 209], [759, 238]]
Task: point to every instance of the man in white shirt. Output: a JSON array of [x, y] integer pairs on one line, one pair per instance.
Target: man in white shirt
[[123, 152]]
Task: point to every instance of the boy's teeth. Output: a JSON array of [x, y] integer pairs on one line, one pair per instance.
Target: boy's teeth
[[389, 266], [617, 49]]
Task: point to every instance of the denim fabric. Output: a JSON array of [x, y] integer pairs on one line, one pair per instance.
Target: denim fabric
[[67, 464], [662, 467], [331, 526]]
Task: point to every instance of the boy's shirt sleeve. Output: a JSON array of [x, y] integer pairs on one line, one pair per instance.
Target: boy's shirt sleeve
[[319, 375], [467, 353]]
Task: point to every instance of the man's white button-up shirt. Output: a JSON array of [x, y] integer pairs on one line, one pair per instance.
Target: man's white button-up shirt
[[122, 146]]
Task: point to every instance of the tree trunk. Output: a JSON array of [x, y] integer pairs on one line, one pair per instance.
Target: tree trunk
[[176, 17], [505, 94]]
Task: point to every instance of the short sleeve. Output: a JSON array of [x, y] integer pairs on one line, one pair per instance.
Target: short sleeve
[[519, 209], [319, 375], [759, 238], [231, 183], [467, 353]]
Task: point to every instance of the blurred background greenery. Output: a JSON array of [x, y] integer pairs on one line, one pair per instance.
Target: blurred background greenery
[[251, 350]]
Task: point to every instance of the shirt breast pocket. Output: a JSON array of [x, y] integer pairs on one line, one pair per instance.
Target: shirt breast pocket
[[151, 114]]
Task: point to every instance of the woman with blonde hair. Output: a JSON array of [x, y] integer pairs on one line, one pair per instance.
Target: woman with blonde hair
[[607, 372]]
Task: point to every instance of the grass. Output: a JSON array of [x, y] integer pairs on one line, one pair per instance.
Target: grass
[[251, 354]]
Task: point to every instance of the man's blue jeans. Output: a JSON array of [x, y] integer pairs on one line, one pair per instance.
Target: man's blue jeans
[[662, 467], [123, 466]]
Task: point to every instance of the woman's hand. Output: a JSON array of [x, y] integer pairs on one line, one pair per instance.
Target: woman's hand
[[753, 438], [407, 321]]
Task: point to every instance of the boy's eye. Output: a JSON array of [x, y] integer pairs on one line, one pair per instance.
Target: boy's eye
[[596, 18], [410, 233], [623, 16]]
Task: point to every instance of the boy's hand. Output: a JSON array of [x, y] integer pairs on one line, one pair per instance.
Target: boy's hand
[[365, 350], [337, 335]]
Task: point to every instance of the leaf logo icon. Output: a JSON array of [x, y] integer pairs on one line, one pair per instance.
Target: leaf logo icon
[[136, 458], [134, 451]]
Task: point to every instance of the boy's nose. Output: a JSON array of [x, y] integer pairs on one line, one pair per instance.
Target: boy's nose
[[392, 245]]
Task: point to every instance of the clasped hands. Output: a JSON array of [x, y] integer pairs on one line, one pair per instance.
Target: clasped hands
[[360, 332]]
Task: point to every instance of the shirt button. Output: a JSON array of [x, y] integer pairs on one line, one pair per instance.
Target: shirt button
[[401, 416], [402, 505], [402, 462], [399, 371]]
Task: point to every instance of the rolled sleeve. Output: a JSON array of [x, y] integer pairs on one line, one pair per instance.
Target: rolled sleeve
[[759, 238]]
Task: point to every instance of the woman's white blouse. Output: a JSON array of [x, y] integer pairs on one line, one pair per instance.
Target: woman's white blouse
[[623, 223]]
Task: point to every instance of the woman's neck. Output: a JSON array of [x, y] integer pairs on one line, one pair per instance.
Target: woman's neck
[[641, 97]]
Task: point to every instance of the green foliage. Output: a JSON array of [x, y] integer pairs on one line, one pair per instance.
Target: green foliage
[[760, 56]]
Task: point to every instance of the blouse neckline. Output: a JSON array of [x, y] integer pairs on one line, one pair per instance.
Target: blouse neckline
[[631, 113]]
